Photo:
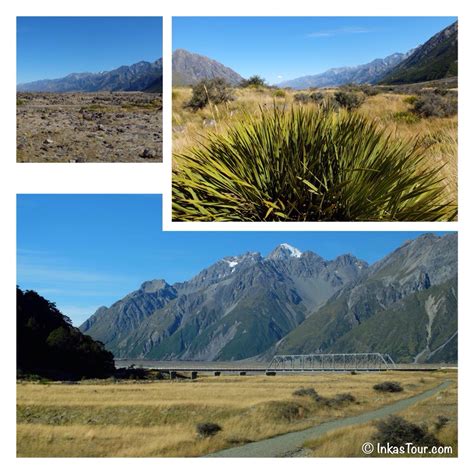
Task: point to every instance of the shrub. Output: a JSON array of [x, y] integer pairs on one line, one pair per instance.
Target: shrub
[[411, 99], [305, 98], [253, 81], [214, 91], [307, 165], [307, 392], [206, 430], [441, 422], [397, 431], [279, 93], [390, 387], [349, 100], [281, 410], [433, 105]]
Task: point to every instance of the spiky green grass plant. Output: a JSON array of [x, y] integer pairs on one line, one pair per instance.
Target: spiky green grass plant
[[307, 164]]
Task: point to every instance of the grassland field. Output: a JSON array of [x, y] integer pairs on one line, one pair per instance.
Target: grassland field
[[390, 110], [137, 419]]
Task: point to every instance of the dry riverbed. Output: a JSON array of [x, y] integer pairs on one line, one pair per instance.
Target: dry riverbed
[[89, 127]]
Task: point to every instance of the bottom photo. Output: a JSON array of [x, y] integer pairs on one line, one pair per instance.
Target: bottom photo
[[138, 342]]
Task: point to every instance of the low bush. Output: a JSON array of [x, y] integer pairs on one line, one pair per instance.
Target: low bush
[[213, 91], [391, 387], [304, 164], [397, 431], [307, 392], [279, 93], [411, 99], [349, 100], [441, 422], [206, 430], [433, 105], [253, 81], [315, 97]]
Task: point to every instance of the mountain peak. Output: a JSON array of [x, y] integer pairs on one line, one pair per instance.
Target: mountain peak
[[153, 286], [285, 251]]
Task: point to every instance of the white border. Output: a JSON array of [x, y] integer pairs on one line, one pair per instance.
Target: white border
[[154, 178]]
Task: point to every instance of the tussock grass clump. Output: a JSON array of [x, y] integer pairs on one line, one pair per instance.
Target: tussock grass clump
[[391, 387], [397, 431], [307, 164], [205, 430]]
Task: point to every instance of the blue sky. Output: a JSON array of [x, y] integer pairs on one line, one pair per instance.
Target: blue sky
[[281, 48], [84, 251], [52, 47]]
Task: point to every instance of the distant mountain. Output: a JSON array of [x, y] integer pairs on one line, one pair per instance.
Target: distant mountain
[[365, 74], [190, 68], [294, 302], [236, 308], [405, 304], [142, 76], [435, 59]]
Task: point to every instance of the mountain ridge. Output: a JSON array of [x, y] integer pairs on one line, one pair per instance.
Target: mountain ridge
[[288, 301]]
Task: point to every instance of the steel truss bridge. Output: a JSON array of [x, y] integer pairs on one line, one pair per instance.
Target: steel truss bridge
[[369, 361]]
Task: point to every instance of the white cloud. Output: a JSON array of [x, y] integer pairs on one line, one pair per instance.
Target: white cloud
[[350, 30]]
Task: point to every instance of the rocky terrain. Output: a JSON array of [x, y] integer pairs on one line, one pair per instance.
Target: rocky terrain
[[294, 302], [81, 127]]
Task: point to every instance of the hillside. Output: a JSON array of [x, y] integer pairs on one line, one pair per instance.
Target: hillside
[[48, 344], [391, 309], [435, 59], [294, 302], [142, 76], [190, 68]]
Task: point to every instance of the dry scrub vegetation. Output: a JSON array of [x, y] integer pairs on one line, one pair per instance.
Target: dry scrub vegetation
[[392, 113], [160, 418], [347, 442]]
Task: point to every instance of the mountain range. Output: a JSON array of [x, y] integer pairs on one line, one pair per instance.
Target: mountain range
[[251, 306], [143, 76]]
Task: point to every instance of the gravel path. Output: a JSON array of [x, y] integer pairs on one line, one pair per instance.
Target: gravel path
[[290, 444]]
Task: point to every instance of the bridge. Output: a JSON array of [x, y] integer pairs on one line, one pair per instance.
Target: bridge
[[285, 364]]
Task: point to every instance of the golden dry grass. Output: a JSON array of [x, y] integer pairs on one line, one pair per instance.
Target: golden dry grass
[[191, 128], [159, 419], [347, 442]]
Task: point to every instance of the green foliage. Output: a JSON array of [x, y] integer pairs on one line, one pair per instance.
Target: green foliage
[[390, 387], [214, 91], [406, 117], [411, 99], [253, 81], [397, 431], [435, 105], [307, 165], [349, 100], [279, 93], [48, 344]]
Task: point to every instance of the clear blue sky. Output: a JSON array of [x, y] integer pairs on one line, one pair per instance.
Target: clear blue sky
[[281, 48], [84, 251], [52, 47]]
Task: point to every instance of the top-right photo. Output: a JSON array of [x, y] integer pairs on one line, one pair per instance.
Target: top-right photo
[[315, 119]]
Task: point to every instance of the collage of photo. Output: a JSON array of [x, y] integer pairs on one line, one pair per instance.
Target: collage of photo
[[138, 339]]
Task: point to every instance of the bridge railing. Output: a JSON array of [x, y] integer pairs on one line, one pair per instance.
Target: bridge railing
[[328, 362]]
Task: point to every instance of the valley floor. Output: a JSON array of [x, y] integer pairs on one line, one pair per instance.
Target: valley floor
[[89, 127], [139, 419]]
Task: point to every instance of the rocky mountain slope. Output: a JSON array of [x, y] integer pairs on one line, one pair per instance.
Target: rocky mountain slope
[[190, 68], [294, 302], [406, 305], [142, 76], [435, 59], [235, 309], [369, 73]]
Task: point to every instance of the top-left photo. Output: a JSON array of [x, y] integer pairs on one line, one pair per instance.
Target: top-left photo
[[89, 89]]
